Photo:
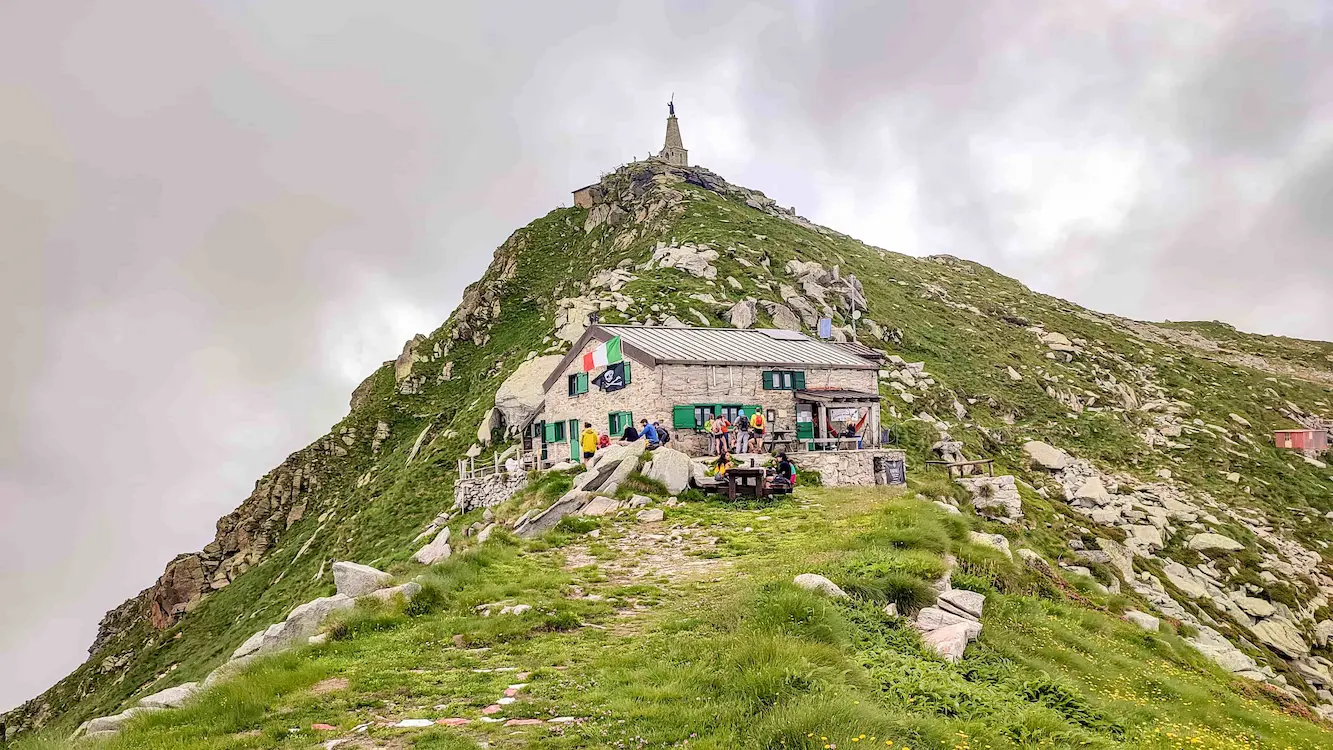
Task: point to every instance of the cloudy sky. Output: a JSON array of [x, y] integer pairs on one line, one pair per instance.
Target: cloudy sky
[[217, 217]]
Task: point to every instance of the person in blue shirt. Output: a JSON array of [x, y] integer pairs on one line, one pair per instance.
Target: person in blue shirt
[[649, 433]]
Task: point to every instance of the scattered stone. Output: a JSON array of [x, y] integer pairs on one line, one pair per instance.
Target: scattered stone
[[951, 641], [453, 722], [437, 550], [968, 603], [323, 727], [996, 541], [523, 722], [406, 590], [815, 582], [414, 723], [1214, 541], [651, 515]]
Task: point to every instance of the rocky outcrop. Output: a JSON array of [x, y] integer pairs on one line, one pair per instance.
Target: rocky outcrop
[[521, 394]]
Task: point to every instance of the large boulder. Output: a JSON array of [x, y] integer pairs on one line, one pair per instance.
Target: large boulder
[[1255, 607], [628, 465], [251, 645], [1142, 619], [599, 506], [437, 550], [671, 468], [521, 394], [354, 579], [782, 316], [816, 582], [1281, 636], [1214, 541], [303, 622], [174, 697], [540, 523], [742, 314], [111, 724], [1045, 456]]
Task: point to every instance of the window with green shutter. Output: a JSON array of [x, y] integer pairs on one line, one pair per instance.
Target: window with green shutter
[[683, 417], [628, 379], [578, 384], [617, 421], [783, 380]]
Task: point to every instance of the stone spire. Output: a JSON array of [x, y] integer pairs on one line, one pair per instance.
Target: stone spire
[[673, 151]]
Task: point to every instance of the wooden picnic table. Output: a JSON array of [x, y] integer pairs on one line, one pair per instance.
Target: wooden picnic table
[[746, 481]]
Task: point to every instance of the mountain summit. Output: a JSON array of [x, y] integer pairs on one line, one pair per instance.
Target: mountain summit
[[1142, 477]]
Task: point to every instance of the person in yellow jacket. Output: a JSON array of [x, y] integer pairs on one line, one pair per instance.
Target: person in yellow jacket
[[588, 441]]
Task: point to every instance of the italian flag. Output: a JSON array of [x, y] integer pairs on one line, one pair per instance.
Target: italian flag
[[606, 354]]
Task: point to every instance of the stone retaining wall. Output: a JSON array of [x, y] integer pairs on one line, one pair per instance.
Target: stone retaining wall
[[485, 491], [849, 468]]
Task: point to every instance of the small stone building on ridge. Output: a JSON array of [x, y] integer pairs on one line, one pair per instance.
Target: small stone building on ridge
[[678, 376]]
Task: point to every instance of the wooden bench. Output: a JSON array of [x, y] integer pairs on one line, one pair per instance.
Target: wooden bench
[[989, 463]]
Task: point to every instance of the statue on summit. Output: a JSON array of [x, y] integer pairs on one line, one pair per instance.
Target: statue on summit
[[671, 108]]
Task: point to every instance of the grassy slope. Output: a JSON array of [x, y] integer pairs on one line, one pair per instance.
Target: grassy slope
[[927, 301], [727, 654]]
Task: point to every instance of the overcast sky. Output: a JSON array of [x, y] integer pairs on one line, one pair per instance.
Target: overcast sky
[[217, 217]]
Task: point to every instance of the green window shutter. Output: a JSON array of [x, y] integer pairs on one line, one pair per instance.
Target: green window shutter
[[548, 432], [798, 380], [768, 380], [749, 411], [611, 426], [581, 384], [682, 417], [628, 380]]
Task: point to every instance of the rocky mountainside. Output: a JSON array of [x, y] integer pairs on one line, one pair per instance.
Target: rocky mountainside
[[1141, 453]]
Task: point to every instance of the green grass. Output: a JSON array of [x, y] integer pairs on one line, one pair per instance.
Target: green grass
[[747, 661]]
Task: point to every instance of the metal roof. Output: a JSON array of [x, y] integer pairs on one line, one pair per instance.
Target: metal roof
[[735, 346], [754, 347]]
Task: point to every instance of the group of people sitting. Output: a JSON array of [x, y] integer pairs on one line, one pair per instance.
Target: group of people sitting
[[652, 432], [728, 436]]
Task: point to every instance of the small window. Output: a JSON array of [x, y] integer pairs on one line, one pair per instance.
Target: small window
[[578, 384], [618, 421], [558, 433], [783, 380]]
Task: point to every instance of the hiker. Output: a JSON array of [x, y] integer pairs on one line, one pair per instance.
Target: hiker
[[630, 434], [757, 425], [786, 469], [603, 441], [742, 434], [717, 427], [722, 464], [663, 436], [649, 433], [588, 441]]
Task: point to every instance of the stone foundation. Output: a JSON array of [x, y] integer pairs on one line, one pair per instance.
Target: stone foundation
[[861, 468], [485, 491]]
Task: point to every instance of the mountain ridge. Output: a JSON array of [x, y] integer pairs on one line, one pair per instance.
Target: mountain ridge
[[414, 416]]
